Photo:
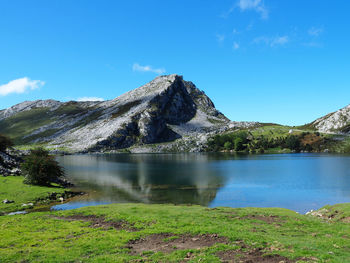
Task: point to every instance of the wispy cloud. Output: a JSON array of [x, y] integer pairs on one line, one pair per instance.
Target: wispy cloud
[[248, 5], [315, 31], [90, 99], [138, 67], [235, 46], [254, 5], [227, 13], [220, 38], [272, 41], [20, 86]]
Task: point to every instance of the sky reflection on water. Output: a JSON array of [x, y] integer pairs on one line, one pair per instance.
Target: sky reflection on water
[[295, 181]]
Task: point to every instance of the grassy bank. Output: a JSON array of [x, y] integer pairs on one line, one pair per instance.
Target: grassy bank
[[13, 188], [167, 233], [278, 139]]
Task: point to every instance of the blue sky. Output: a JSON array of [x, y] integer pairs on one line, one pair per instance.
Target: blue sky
[[258, 60]]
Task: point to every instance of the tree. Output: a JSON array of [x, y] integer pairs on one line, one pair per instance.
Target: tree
[[228, 145], [293, 142], [243, 135], [239, 144], [5, 142], [40, 168]]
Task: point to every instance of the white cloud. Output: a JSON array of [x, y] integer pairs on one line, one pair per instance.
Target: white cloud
[[245, 5], [90, 99], [235, 45], [255, 5], [272, 41], [279, 41], [220, 38], [20, 86], [138, 67], [315, 32]]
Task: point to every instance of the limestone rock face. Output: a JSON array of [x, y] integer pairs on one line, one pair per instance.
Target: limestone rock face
[[166, 109], [335, 122], [9, 163]]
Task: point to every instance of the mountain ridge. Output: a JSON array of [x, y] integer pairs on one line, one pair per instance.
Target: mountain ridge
[[164, 110], [166, 114], [334, 122]]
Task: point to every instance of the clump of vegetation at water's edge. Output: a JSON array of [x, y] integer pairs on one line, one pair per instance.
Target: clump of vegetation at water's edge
[[40, 168]]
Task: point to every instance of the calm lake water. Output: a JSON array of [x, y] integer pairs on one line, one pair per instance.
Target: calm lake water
[[300, 182]]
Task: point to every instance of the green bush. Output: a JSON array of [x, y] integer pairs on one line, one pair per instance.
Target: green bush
[[40, 168], [293, 142], [5, 142], [228, 145], [238, 144]]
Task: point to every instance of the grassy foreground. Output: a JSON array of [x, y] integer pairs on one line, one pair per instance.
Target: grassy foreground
[[168, 233], [13, 188]]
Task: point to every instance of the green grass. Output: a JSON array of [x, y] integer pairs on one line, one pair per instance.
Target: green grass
[[125, 108], [70, 108], [277, 150], [24, 147], [13, 188], [46, 133], [271, 131], [339, 143], [24, 123], [41, 237]]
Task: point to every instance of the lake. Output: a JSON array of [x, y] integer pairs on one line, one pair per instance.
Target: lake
[[300, 182]]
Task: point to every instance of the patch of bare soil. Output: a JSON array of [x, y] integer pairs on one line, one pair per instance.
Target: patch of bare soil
[[169, 242], [254, 256], [346, 219], [100, 222], [270, 219]]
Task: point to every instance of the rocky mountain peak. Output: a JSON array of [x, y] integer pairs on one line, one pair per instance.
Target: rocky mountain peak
[[164, 110]]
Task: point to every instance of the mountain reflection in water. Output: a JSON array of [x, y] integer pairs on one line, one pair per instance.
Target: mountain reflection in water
[[295, 181], [146, 178]]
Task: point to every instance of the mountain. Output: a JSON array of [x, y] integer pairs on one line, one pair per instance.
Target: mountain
[[167, 109], [335, 122]]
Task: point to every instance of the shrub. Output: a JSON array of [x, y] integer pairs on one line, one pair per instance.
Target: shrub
[[5, 142], [40, 168], [243, 136], [293, 142], [238, 144], [228, 145]]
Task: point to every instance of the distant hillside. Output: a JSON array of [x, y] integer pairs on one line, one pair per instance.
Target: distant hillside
[[335, 122], [165, 110]]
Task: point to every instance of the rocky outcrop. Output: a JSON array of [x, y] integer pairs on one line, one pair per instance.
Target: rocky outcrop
[[9, 163], [335, 122], [167, 109]]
